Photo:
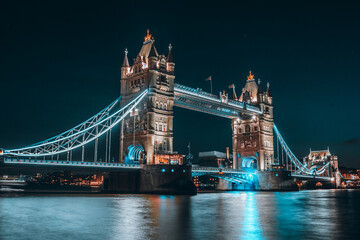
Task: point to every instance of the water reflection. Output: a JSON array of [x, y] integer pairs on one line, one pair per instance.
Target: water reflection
[[232, 215], [251, 224]]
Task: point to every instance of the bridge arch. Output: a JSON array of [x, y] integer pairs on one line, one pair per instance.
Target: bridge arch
[[249, 162], [135, 154]]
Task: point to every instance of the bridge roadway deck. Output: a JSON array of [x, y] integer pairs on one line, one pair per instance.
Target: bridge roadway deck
[[132, 167], [198, 100], [103, 165], [310, 177], [71, 164]]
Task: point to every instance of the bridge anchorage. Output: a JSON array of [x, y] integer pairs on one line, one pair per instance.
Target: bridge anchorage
[[144, 114]]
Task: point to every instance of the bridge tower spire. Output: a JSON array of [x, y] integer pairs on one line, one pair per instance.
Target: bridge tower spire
[[125, 67], [154, 123]]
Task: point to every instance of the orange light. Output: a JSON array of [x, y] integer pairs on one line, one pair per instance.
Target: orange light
[[148, 36], [221, 173], [1, 152], [250, 77]]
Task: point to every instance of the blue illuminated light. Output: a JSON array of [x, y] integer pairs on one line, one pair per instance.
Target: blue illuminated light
[[277, 174], [163, 170], [172, 170], [184, 170], [134, 154]]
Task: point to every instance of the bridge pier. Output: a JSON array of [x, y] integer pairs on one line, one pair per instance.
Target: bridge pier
[[275, 181], [153, 179], [225, 185]]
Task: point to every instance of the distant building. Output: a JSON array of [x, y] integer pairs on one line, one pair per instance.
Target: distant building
[[350, 174], [206, 182], [215, 159], [315, 160]]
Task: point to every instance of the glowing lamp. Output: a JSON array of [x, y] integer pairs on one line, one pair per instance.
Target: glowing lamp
[[1, 152]]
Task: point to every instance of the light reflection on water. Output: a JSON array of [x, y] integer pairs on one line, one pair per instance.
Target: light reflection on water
[[322, 214]]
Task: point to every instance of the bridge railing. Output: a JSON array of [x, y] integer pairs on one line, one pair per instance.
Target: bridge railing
[[196, 91], [214, 169], [68, 163]]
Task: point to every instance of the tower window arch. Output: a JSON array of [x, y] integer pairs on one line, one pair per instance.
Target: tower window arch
[[247, 129]]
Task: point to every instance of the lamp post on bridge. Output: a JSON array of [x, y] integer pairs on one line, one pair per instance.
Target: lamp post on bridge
[[134, 113]]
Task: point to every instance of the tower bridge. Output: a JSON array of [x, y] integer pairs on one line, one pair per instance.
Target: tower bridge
[[145, 115]]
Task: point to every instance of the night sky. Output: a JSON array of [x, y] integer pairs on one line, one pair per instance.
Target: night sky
[[60, 64]]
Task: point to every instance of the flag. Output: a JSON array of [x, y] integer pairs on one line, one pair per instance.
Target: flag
[[208, 79], [232, 86]]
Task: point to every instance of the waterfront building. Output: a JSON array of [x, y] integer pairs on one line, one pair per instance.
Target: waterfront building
[[215, 159], [317, 159]]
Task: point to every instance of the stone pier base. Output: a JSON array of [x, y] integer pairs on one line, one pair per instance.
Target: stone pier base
[[275, 181]]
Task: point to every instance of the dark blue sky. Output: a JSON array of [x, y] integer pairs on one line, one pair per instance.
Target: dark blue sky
[[60, 64]]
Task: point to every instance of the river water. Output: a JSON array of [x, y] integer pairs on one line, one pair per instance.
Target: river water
[[318, 214]]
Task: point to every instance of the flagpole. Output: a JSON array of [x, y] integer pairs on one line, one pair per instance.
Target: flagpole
[[210, 79]]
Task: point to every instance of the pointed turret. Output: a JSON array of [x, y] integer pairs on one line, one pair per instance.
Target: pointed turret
[[251, 88], [170, 58], [259, 86], [268, 90], [126, 60], [170, 61], [125, 69]]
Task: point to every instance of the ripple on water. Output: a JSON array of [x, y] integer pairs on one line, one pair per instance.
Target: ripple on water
[[320, 214]]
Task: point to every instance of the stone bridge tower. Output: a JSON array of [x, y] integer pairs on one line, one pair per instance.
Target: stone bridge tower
[[253, 144], [153, 119]]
